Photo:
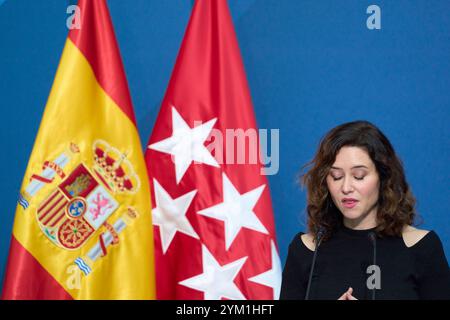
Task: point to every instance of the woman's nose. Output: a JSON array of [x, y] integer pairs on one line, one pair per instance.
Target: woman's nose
[[347, 186]]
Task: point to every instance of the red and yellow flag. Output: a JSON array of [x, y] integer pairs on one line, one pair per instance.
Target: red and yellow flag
[[82, 228]]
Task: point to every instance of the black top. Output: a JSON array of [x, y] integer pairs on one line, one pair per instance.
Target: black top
[[417, 272]]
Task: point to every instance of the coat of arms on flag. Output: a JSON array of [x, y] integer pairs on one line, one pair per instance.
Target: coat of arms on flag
[[85, 199]]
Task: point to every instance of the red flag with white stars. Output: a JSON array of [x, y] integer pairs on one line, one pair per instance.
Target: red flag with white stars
[[212, 214]]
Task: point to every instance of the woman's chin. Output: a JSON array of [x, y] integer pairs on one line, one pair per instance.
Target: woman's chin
[[350, 214]]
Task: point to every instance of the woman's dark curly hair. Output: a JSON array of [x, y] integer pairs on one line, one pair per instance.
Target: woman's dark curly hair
[[396, 202]]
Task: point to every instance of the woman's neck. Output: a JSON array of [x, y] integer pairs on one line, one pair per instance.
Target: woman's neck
[[367, 221]]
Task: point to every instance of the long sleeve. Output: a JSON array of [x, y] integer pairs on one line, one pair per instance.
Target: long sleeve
[[433, 269], [293, 285]]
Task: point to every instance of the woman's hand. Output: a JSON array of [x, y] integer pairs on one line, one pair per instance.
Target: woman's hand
[[348, 295]]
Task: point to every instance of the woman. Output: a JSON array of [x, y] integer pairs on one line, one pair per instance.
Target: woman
[[360, 215]]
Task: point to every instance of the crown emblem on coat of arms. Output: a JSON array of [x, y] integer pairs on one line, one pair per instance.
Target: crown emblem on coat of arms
[[114, 168]]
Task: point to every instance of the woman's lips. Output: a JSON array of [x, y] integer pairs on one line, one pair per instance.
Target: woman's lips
[[349, 203]]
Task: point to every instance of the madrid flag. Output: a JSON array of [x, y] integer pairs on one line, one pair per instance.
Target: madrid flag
[[212, 213], [81, 229]]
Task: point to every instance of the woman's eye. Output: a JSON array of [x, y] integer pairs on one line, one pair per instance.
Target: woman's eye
[[336, 178], [359, 178]]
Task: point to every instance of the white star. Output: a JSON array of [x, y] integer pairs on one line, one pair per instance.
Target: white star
[[272, 277], [186, 144], [216, 281], [170, 215], [236, 211]]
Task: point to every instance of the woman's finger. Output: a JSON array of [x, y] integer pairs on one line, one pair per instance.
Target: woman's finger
[[343, 297]]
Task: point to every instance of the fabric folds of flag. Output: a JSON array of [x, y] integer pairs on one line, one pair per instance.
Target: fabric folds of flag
[[212, 215], [81, 229]]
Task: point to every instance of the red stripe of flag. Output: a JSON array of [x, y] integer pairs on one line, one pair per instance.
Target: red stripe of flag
[[35, 282], [100, 48]]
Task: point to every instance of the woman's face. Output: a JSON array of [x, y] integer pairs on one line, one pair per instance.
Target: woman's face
[[353, 183]]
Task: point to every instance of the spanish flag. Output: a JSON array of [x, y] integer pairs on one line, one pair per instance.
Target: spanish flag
[[83, 226]]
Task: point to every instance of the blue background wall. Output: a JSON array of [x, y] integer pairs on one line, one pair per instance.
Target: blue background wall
[[311, 64]]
